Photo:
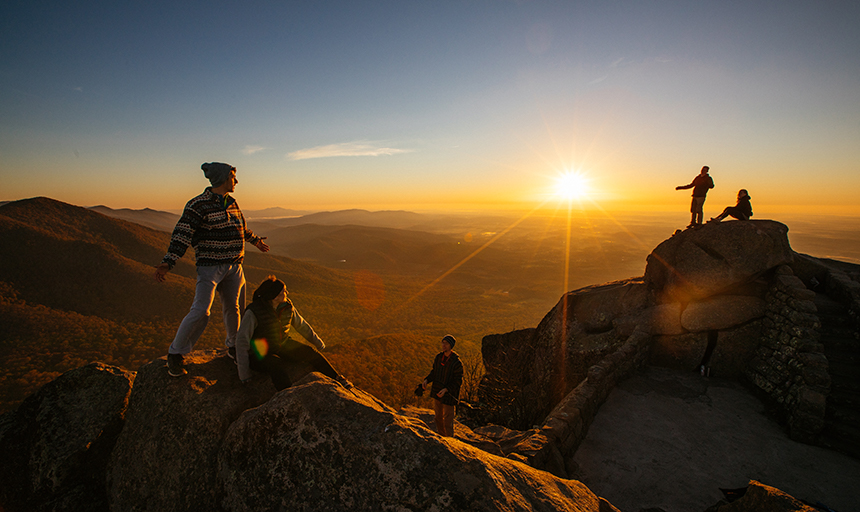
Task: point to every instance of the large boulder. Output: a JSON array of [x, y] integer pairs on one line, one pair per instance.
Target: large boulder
[[166, 456], [730, 356], [316, 446], [663, 319], [721, 312], [55, 446], [699, 263], [538, 369]]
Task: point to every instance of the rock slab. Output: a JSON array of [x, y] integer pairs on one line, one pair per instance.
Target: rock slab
[[55, 446], [166, 456], [316, 446]]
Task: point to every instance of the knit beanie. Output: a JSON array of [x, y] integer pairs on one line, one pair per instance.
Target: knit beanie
[[450, 340], [269, 289], [216, 172]]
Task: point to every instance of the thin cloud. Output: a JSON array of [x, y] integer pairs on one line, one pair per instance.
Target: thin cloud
[[598, 80], [346, 149], [250, 150], [79, 89]]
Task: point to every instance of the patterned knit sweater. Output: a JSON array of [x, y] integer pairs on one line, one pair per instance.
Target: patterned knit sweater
[[215, 227]]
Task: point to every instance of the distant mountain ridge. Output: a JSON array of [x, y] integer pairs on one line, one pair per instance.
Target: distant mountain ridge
[[277, 216], [399, 219], [158, 220]]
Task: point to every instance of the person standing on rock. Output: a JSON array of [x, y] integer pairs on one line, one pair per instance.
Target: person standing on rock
[[741, 211], [447, 377], [700, 185], [214, 226], [262, 343]]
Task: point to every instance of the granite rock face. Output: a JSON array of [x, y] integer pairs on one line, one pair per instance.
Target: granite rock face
[[721, 312], [55, 446], [317, 446], [699, 263], [166, 456], [532, 370], [763, 498]]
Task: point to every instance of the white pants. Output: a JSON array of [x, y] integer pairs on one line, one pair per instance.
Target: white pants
[[229, 281]]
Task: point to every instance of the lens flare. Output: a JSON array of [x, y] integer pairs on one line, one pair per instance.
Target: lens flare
[[260, 347], [370, 289]]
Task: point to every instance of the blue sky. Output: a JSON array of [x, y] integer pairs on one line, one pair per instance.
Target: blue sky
[[430, 104]]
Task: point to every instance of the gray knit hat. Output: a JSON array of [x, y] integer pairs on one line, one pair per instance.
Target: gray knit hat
[[449, 340], [216, 172]]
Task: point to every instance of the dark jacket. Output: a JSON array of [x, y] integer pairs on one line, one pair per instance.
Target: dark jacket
[[700, 185], [744, 206], [268, 327], [446, 374]]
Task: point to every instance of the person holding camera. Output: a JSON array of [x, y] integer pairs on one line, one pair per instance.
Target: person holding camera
[[447, 377]]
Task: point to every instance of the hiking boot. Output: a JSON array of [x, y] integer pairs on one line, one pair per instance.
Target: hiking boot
[[691, 225], [175, 365], [343, 382], [231, 353]]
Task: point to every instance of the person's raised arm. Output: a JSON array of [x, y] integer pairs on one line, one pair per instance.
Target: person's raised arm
[[305, 329]]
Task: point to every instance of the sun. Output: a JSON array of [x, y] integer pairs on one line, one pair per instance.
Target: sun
[[572, 186]]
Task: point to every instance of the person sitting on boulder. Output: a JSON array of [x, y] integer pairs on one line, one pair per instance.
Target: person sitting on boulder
[[447, 377], [263, 344], [740, 211]]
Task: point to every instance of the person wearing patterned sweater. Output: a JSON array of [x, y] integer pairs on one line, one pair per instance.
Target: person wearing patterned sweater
[[214, 226]]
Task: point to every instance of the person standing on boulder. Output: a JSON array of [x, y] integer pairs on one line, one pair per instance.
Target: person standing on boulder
[[214, 226], [447, 377], [741, 211], [262, 343], [700, 185]]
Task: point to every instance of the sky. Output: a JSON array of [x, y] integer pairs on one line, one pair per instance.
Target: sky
[[427, 105]]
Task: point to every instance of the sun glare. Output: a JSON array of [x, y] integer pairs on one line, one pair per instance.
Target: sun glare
[[572, 186]]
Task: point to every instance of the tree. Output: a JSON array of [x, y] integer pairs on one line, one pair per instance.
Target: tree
[[473, 371]]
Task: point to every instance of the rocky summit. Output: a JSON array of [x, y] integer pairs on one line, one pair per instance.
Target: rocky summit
[[731, 298], [207, 442]]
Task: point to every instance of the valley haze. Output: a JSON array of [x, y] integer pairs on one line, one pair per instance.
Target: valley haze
[[355, 274]]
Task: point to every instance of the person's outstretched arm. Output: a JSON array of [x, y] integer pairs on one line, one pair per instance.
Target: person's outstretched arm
[[305, 329], [180, 240]]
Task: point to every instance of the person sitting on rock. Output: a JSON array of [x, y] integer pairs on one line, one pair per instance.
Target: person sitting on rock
[[263, 344], [740, 211], [447, 377]]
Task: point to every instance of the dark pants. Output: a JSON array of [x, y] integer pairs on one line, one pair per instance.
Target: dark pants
[[735, 212], [277, 361]]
